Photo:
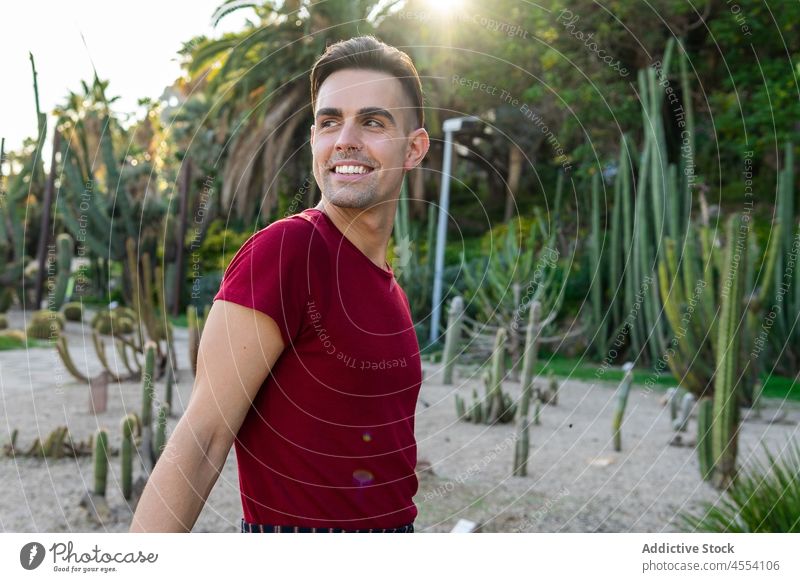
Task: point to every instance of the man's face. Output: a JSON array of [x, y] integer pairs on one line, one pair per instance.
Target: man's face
[[362, 139]]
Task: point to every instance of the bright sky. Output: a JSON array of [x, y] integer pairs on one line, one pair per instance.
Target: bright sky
[[132, 44]]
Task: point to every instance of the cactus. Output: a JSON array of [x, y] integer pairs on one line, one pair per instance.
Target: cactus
[[622, 401], [131, 429], [455, 317], [45, 325], [461, 411], [552, 390], [100, 462], [522, 446], [725, 425], [148, 393], [73, 311], [161, 431], [3, 321], [512, 278], [705, 455], [64, 246], [63, 351]]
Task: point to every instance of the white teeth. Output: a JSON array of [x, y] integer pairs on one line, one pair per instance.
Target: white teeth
[[351, 170]]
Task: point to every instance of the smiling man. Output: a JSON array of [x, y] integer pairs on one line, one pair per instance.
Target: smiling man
[[309, 363]]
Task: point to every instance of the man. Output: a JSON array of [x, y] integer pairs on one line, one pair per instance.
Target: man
[[309, 361]]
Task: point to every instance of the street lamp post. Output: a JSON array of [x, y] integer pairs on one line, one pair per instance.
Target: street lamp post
[[449, 127]]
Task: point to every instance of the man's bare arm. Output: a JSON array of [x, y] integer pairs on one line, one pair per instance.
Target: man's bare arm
[[239, 346]]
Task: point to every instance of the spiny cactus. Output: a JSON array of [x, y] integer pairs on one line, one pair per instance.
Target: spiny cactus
[[455, 317], [725, 425], [131, 428], [64, 246], [148, 394], [622, 400], [161, 431], [100, 462], [45, 325], [522, 446], [705, 455], [73, 311]]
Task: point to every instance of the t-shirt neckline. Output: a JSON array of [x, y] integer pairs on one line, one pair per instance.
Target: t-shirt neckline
[[347, 241]]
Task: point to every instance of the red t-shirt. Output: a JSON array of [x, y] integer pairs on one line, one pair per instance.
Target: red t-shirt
[[329, 439]]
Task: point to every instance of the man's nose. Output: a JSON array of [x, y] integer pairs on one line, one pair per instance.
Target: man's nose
[[349, 137]]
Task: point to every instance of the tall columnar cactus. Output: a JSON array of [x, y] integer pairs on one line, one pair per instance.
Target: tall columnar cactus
[[725, 425], [705, 455], [100, 462], [64, 246], [161, 431], [130, 430], [495, 405], [622, 401], [455, 317], [597, 269], [148, 393], [522, 446]]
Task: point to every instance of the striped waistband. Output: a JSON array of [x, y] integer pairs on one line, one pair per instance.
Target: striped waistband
[[262, 528]]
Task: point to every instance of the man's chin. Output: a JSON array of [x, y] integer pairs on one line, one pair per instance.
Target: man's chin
[[350, 197]]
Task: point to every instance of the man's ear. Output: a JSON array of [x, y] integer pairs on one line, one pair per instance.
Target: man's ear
[[311, 137], [418, 145]]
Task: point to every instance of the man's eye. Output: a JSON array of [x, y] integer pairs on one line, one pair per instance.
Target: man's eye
[[326, 122], [374, 123]]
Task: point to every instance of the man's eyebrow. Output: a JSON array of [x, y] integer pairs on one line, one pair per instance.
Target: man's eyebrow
[[363, 112]]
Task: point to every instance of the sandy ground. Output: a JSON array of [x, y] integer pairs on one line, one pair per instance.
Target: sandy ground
[[575, 482]]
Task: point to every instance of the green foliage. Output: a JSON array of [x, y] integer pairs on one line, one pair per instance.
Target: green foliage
[[219, 246], [764, 498]]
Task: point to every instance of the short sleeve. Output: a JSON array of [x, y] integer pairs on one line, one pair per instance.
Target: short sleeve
[[270, 273]]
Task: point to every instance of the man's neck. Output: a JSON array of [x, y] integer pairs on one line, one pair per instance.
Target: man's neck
[[369, 230]]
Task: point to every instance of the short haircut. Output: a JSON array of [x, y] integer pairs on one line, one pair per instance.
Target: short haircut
[[367, 52]]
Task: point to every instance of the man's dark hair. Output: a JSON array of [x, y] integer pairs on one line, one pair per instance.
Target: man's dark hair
[[367, 52]]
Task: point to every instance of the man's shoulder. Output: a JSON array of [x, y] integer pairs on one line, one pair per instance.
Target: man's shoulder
[[293, 229]]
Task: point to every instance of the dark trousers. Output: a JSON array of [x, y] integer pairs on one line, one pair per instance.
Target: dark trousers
[[263, 528]]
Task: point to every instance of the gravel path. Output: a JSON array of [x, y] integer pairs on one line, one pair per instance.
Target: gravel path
[[575, 482]]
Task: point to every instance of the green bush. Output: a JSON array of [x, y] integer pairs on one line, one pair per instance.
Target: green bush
[[765, 498]]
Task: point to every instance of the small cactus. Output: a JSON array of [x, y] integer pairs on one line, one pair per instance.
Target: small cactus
[[64, 246], [100, 462], [130, 429], [45, 325], [622, 401], [73, 311], [455, 317]]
